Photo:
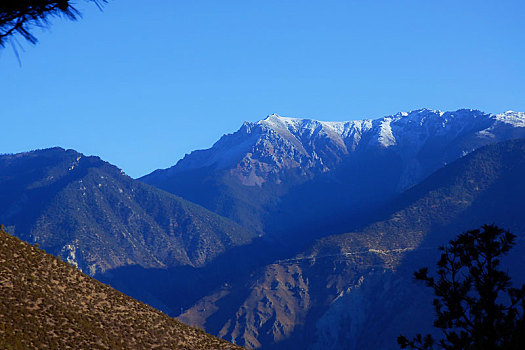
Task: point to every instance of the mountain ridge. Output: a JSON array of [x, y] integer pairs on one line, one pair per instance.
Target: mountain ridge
[[90, 213], [267, 168], [293, 128]]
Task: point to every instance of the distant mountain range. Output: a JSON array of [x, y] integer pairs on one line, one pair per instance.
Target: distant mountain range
[[265, 175], [304, 233]]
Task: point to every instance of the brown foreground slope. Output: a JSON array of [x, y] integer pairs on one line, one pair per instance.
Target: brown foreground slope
[[47, 304]]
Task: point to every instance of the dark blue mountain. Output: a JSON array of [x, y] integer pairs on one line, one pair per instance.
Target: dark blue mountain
[[91, 214]]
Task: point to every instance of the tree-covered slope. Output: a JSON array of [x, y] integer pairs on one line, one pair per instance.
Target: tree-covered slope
[[46, 303], [94, 216]]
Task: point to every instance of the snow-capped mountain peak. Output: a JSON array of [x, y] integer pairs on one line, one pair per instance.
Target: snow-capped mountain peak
[[516, 119], [261, 150]]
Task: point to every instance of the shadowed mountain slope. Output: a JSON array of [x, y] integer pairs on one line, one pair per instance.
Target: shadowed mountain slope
[[48, 304], [344, 288], [284, 176], [97, 218]]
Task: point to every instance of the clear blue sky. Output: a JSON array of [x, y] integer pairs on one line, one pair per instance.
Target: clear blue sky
[[145, 82]]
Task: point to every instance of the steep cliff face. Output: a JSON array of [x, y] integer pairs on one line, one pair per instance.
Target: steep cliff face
[[337, 293], [264, 172]]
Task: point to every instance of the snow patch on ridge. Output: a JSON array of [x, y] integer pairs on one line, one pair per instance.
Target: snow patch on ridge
[[516, 119], [386, 136]]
